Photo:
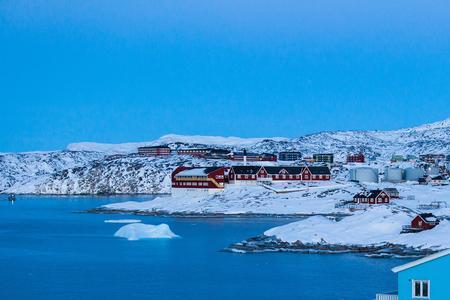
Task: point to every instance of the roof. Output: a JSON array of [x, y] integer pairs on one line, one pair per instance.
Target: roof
[[245, 154], [438, 178], [249, 170], [391, 190], [290, 152], [289, 169], [154, 147], [375, 193], [197, 171], [421, 261], [320, 170], [428, 217]]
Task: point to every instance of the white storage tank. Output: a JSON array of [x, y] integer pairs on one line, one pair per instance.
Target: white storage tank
[[364, 175], [413, 174], [393, 175]]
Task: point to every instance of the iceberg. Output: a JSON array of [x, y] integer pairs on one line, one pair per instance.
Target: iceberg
[[123, 221], [137, 231]]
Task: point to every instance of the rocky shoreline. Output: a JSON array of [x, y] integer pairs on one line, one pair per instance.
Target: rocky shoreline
[[162, 213], [264, 243]]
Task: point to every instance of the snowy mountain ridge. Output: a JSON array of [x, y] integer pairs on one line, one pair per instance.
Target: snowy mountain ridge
[[95, 168]]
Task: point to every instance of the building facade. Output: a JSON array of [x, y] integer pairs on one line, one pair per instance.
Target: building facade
[[424, 221], [154, 151], [356, 158], [372, 197], [425, 279], [204, 152], [324, 158], [244, 174], [247, 156], [289, 156], [253, 174], [198, 179]]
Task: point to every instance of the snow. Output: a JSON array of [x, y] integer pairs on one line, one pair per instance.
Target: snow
[[137, 231], [243, 199], [193, 172], [123, 221], [127, 148], [377, 225], [214, 140]]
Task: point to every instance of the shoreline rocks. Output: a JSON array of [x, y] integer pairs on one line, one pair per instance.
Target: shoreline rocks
[[264, 243]]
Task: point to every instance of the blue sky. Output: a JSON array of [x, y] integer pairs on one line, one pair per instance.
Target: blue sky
[[122, 71]]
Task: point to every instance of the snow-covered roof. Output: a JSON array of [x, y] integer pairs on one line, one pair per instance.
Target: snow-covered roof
[[193, 172], [421, 261]]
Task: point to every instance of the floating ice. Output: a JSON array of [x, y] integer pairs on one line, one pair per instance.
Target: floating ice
[[123, 221], [137, 231]]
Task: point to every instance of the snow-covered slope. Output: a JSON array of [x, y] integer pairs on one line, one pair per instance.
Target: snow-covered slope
[[90, 167]]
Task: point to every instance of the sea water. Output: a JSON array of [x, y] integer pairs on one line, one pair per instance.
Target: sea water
[[49, 250]]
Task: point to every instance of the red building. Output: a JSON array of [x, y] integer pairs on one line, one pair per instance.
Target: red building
[[251, 174], [246, 156], [356, 158], [316, 173], [372, 197], [244, 174], [280, 173], [211, 179], [154, 151], [424, 222]]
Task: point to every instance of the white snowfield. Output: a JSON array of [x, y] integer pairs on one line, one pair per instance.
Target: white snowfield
[[137, 231], [242, 199], [375, 226], [126, 148], [320, 198]]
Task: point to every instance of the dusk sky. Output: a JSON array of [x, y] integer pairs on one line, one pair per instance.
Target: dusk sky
[[128, 71]]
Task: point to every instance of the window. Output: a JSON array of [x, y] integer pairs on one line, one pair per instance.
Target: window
[[421, 289]]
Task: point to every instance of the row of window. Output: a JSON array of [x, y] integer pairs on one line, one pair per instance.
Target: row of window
[[188, 183], [306, 177]]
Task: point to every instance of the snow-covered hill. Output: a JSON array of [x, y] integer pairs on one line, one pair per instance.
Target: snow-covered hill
[[85, 168]]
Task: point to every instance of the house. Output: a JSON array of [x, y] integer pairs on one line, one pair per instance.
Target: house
[[252, 174], [316, 173], [281, 173], [194, 152], [247, 156], [154, 150], [372, 197], [392, 192], [425, 279], [198, 179], [244, 174], [204, 152], [324, 158], [289, 156], [438, 180], [356, 158], [424, 222]]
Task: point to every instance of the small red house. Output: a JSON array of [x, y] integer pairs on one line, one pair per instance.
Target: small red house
[[424, 221], [372, 197], [356, 158]]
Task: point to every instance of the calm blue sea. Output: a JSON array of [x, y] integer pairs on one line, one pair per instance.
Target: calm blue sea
[[48, 251]]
